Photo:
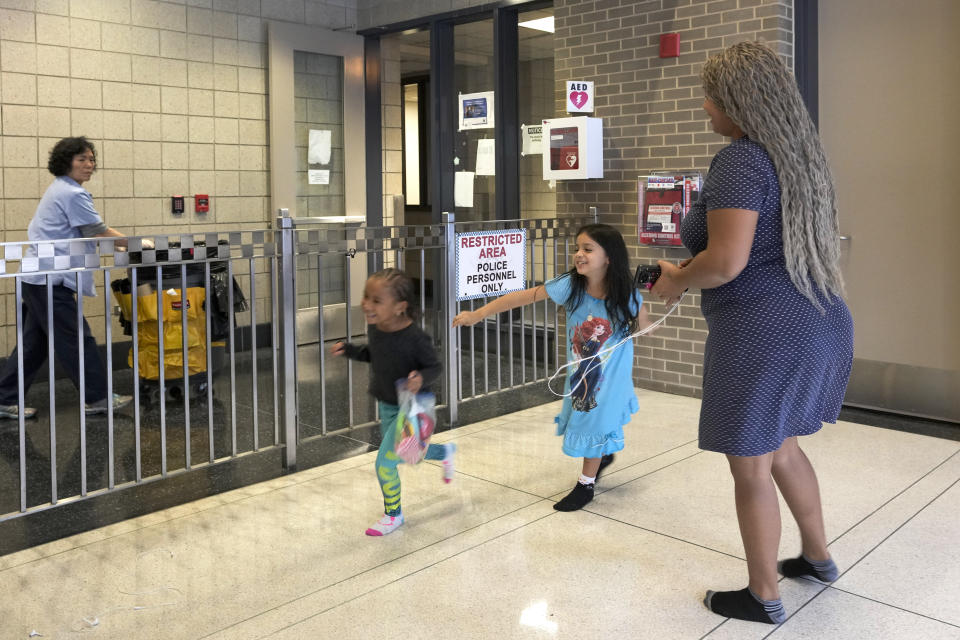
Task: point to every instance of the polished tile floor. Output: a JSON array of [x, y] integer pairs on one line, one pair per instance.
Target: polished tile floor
[[488, 557]]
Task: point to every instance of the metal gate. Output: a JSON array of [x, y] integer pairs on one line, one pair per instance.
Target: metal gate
[[235, 378]]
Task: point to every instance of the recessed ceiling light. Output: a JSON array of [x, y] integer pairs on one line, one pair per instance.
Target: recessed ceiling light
[[540, 24]]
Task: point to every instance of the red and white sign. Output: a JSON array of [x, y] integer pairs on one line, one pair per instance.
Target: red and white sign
[[579, 96], [490, 263]]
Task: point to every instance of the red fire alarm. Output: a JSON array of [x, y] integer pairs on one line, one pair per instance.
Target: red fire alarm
[[669, 45], [202, 201]]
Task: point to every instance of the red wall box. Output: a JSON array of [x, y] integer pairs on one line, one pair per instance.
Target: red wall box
[[664, 199], [669, 45]]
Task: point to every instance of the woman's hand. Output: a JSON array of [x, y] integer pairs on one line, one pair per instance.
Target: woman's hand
[[668, 288], [338, 349], [467, 318], [414, 382]]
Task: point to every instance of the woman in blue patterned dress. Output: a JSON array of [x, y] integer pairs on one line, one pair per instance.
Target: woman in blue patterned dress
[[764, 238], [603, 307]]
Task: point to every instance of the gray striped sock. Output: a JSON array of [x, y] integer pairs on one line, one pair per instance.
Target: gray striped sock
[[827, 569], [773, 608]]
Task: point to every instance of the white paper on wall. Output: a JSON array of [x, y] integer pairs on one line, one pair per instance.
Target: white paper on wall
[[318, 151], [318, 176], [463, 189], [486, 159], [532, 137]]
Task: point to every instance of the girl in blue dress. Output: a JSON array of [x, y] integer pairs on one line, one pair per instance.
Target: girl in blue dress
[[603, 308]]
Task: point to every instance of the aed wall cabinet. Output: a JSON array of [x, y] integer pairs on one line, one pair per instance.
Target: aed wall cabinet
[[573, 148]]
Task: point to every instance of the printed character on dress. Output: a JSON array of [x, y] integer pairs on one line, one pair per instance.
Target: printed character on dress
[[588, 338], [403, 362], [603, 308]]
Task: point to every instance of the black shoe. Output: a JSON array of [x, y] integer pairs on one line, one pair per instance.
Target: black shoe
[[605, 462], [580, 497]]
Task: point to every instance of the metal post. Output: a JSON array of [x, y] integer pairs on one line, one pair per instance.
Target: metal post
[[21, 401], [51, 382], [161, 353], [348, 305], [208, 310], [138, 458], [233, 359], [546, 317], [320, 336], [288, 341], [253, 354], [108, 338], [274, 346], [450, 307], [185, 349], [82, 378]]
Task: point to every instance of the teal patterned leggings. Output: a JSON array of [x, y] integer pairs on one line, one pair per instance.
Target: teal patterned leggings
[[387, 459]]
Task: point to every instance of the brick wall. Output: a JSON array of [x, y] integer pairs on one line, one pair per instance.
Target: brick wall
[[652, 117]]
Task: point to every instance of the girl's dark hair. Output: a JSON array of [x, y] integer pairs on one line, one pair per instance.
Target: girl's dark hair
[[401, 286], [618, 283], [61, 156]]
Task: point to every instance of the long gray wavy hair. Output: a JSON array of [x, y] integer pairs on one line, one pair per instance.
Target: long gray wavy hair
[[750, 83]]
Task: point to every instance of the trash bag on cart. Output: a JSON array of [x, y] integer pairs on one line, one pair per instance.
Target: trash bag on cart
[[170, 306]]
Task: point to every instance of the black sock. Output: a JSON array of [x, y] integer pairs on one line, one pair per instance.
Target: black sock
[[605, 462], [825, 571], [744, 605], [581, 495]]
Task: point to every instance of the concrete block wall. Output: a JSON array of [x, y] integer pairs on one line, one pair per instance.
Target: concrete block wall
[[391, 103], [172, 93], [653, 120]]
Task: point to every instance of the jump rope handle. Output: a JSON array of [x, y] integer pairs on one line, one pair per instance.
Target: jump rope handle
[[646, 276]]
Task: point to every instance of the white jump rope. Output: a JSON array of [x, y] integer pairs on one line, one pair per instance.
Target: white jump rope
[[600, 356]]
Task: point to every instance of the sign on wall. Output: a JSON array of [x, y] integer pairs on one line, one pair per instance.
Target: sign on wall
[[490, 263], [531, 136], [579, 96], [476, 110]]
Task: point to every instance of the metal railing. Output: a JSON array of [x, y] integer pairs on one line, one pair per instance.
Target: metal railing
[[214, 378]]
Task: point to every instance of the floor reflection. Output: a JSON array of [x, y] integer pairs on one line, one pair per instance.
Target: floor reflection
[[150, 440]]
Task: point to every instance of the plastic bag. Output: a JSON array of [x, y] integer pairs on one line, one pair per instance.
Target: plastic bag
[[416, 420]]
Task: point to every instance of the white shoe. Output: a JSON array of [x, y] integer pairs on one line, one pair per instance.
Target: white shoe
[[119, 402], [386, 524], [13, 411], [448, 462]]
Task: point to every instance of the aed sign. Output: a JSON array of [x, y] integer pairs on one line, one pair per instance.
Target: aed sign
[[490, 263], [579, 96]]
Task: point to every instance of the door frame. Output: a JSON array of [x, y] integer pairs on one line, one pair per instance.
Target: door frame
[[282, 40]]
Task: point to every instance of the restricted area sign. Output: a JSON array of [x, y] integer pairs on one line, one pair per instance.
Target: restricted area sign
[[490, 263]]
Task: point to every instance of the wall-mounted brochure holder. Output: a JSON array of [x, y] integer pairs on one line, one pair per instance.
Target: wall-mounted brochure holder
[[665, 197], [572, 148]]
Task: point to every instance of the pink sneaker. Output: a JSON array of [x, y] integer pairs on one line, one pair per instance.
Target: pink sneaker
[[448, 462], [386, 524]]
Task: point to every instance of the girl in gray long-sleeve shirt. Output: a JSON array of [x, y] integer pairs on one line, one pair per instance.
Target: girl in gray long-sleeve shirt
[[396, 349]]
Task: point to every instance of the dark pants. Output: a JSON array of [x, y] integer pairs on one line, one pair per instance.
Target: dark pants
[[34, 345]]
